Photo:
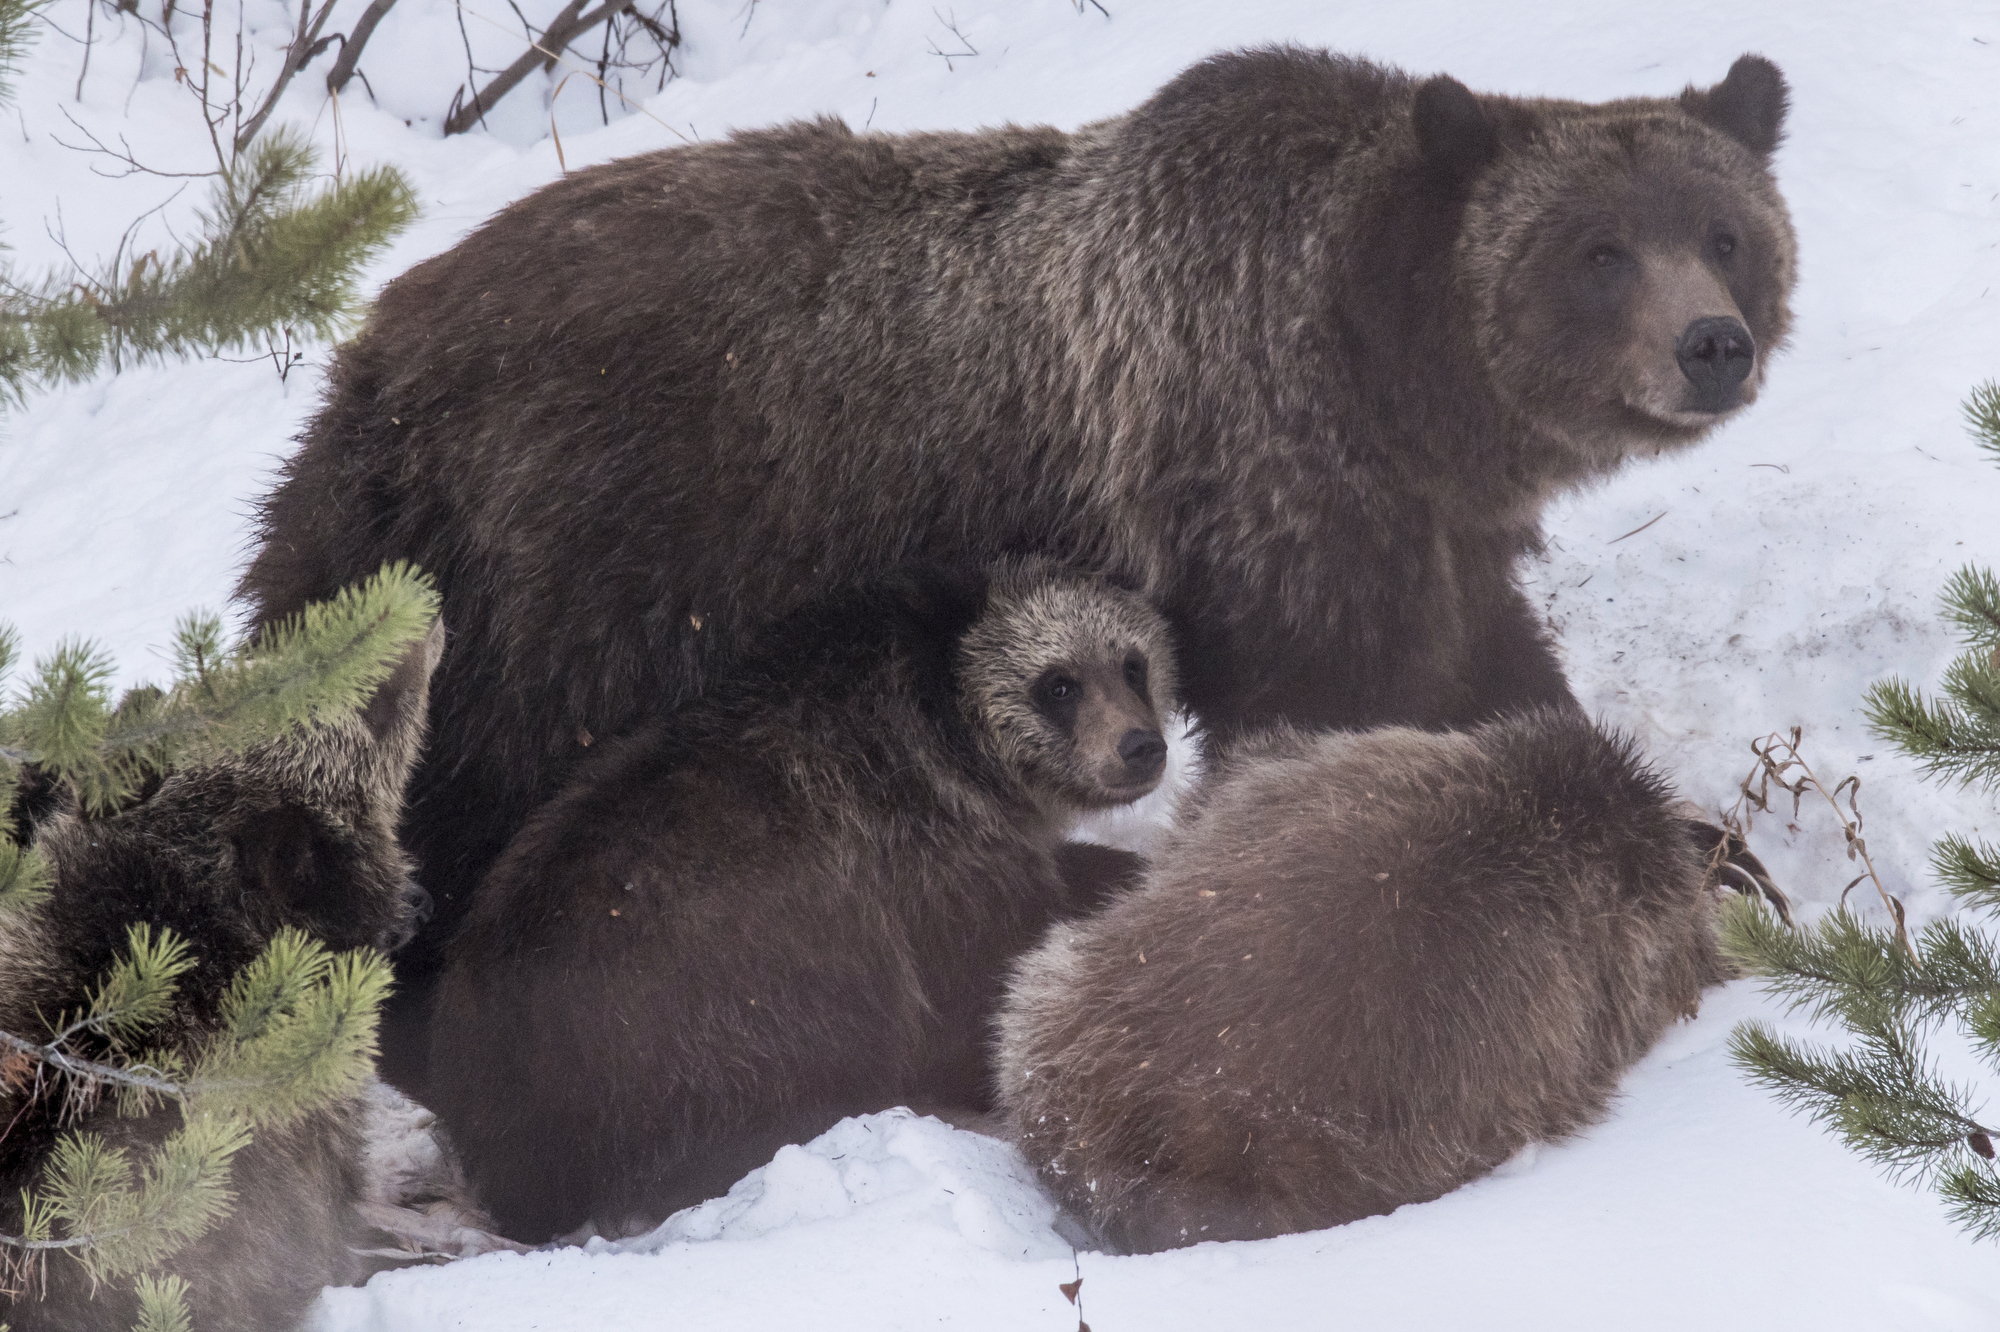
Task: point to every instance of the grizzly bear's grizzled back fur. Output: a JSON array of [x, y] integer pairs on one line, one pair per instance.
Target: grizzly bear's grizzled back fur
[[225, 855], [1368, 968], [1300, 347], [791, 901]]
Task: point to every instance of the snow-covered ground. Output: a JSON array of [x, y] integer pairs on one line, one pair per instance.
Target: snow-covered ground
[[1794, 559]]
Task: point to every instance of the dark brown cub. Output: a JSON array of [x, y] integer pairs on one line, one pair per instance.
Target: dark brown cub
[[792, 900]]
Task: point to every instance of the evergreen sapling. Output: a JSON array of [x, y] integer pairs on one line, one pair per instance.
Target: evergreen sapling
[[293, 1030], [1882, 1093]]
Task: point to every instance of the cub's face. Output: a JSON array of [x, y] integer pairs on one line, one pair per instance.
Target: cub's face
[[1069, 678], [228, 853], [1632, 263]]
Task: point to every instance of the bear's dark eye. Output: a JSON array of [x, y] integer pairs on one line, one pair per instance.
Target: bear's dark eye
[[1135, 674], [1725, 244], [1605, 256], [1056, 696]]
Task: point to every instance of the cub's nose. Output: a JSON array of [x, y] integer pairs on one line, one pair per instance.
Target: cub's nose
[[1144, 752], [417, 906], [1716, 355]]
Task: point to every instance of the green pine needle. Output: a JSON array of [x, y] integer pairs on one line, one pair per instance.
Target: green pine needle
[[24, 879], [273, 258], [299, 1030], [138, 992], [1982, 414], [163, 1305], [15, 36], [67, 709], [1949, 741], [1972, 602], [1973, 1192], [319, 667]]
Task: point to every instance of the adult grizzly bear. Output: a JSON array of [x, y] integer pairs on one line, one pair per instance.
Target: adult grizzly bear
[[225, 854], [792, 900], [1367, 968], [1300, 348]]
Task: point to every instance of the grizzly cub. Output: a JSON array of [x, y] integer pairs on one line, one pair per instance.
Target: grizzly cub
[[225, 855], [791, 901], [1367, 968]]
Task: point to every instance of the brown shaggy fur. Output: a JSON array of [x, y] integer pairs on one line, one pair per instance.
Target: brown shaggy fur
[[791, 901], [1368, 968], [1300, 347], [225, 856]]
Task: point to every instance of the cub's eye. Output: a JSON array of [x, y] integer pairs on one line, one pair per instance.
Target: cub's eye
[[1605, 256], [1055, 690], [1725, 244], [1135, 673]]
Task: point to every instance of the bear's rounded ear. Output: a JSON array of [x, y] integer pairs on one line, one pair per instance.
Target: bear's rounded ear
[[1453, 132], [1749, 105]]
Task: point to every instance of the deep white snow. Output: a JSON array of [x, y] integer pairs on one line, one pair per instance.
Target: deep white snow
[[1795, 558]]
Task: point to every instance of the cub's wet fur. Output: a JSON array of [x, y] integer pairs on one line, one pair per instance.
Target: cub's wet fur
[[1367, 968]]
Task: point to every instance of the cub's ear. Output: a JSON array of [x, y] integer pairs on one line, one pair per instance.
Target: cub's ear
[[1453, 132], [1749, 105], [399, 702]]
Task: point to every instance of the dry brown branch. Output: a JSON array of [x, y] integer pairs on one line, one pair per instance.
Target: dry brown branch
[[558, 57], [306, 44], [1777, 758], [351, 44], [565, 28]]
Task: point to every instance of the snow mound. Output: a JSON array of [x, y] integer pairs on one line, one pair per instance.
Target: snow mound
[[892, 1168]]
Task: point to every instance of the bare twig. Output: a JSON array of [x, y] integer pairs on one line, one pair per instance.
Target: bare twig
[[306, 45], [565, 28], [558, 57], [1640, 528], [122, 153], [951, 26]]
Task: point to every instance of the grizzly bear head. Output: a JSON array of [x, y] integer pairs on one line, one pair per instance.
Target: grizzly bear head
[[1628, 262]]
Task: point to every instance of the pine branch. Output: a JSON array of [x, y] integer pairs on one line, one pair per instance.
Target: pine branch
[[1841, 970], [300, 1029], [1883, 1098], [163, 1305], [15, 37], [1973, 1190], [1982, 414], [1972, 602], [1948, 740], [271, 257], [317, 667]]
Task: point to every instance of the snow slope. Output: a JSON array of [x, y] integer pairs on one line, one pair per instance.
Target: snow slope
[[1788, 562]]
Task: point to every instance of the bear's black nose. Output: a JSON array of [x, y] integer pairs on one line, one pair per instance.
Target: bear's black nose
[[1716, 355], [1144, 752], [417, 907]]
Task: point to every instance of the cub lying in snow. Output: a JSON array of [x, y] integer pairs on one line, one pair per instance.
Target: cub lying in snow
[[1367, 968], [791, 900]]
